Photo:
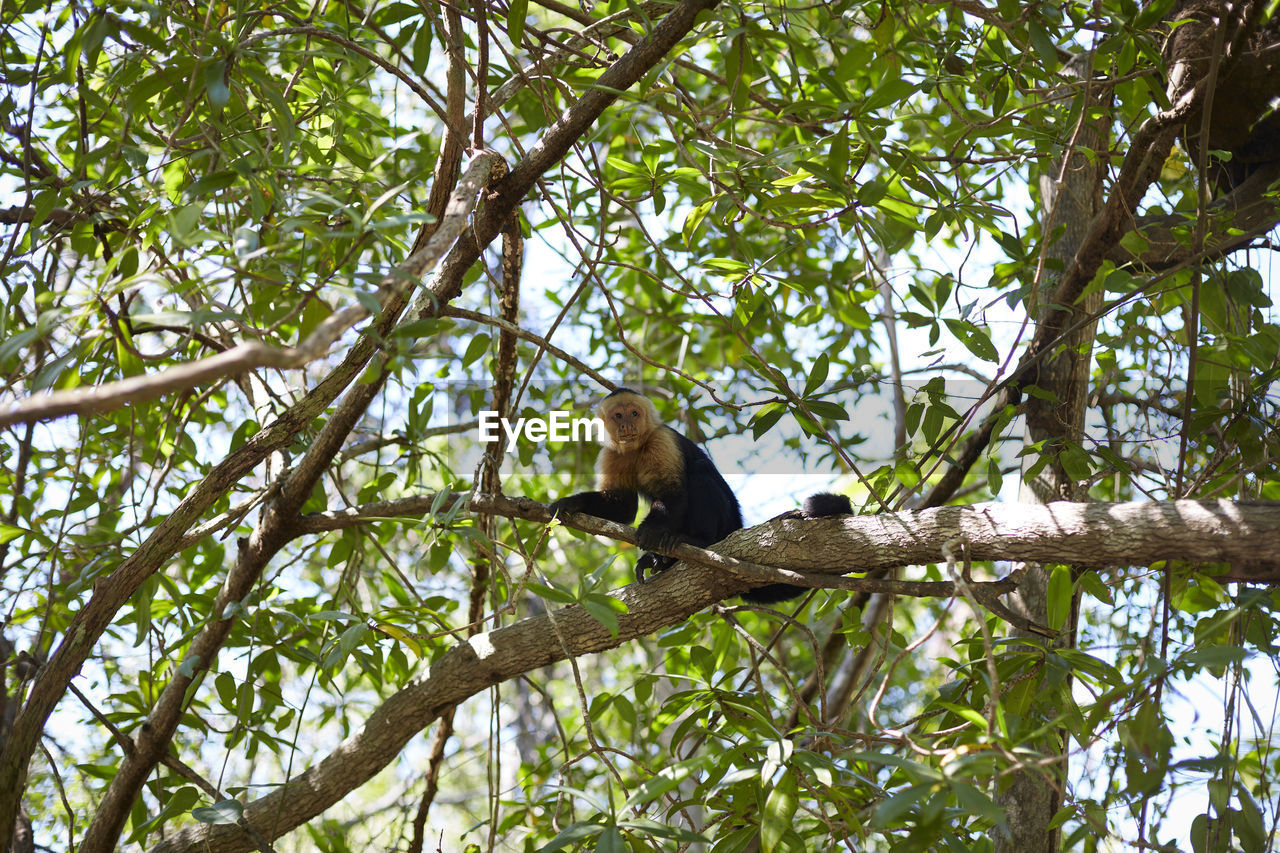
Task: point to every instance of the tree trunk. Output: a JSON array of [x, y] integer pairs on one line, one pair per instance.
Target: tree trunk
[[1071, 198]]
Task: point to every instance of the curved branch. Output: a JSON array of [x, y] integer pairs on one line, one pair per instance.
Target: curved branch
[[248, 356], [1233, 222], [1088, 535]]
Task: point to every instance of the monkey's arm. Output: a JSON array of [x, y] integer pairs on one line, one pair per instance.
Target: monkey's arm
[[666, 523], [662, 528], [613, 505]]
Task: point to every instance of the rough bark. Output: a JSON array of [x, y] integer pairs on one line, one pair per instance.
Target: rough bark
[[1233, 46]]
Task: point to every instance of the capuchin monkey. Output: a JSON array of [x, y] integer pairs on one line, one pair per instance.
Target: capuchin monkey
[[689, 499]]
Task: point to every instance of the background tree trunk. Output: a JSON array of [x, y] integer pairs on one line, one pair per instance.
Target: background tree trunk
[[1070, 199]]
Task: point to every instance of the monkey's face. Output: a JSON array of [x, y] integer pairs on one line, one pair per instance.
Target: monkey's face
[[627, 423]]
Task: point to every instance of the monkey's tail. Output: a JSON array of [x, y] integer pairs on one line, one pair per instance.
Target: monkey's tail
[[818, 505], [827, 504]]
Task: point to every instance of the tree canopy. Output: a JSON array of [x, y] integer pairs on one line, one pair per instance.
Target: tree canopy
[[998, 272]]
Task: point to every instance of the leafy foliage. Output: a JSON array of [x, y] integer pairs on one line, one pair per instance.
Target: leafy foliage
[[812, 231]]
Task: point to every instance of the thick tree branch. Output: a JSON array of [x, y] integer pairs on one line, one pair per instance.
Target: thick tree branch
[[1239, 536], [1232, 222], [1090, 535]]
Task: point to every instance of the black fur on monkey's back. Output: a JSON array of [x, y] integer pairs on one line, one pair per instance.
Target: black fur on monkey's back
[[689, 499]]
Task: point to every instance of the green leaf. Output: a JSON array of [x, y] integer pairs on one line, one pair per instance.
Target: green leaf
[[977, 802], [177, 802], [551, 593], [183, 221], [1200, 833], [126, 353], [1248, 823], [1093, 585], [978, 342], [315, 312], [893, 811], [1059, 597], [765, 418], [1043, 44], [931, 427], [1083, 663], [1151, 12], [828, 409], [818, 374], [969, 715], [694, 219], [215, 83], [220, 813], [210, 184], [611, 841], [895, 90], [94, 34], [189, 666], [779, 809], [725, 265], [479, 346], [1076, 463], [602, 613], [650, 827], [1134, 243], [1214, 657], [516, 16], [225, 686], [995, 478], [666, 779], [348, 642], [906, 472], [572, 834], [418, 328]]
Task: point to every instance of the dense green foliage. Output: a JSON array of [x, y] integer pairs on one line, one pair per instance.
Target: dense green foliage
[[811, 232]]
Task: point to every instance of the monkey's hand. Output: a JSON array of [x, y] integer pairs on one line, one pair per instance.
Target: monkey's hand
[[572, 503], [651, 563], [656, 538], [614, 505]]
